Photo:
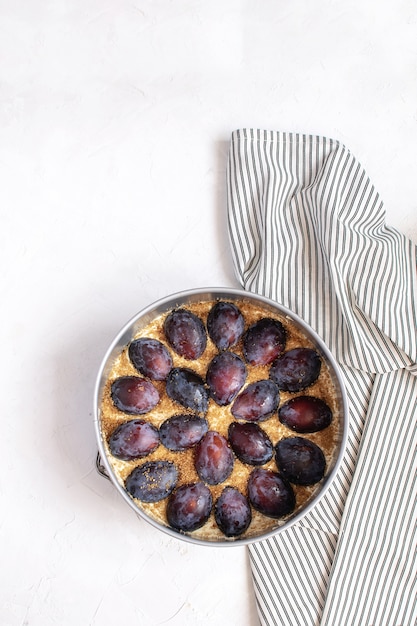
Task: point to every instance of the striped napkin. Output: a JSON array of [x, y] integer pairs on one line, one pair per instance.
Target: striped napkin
[[307, 229]]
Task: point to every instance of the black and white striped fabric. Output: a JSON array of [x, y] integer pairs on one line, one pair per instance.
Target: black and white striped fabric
[[307, 229]]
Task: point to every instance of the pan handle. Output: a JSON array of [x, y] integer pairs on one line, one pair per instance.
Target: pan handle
[[100, 467]]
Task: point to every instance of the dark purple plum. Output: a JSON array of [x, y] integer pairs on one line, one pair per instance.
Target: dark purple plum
[[225, 325], [232, 512], [181, 432], [250, 443], [189, 507], [188, 389], [270, 493], [185, 333], [257, 402], [153, 481], [225, 377], [213, 458], [133, 440], [300, 460], [295, 370], [151, 358], [134, 395], [305, 414], [264, 341]]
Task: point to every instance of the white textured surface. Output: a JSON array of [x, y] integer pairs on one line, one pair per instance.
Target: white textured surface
[[115, 119]]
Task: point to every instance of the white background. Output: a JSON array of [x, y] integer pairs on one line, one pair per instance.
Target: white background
[[115, 121]]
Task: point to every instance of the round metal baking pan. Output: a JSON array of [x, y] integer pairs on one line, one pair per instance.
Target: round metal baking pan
[[140, 321]]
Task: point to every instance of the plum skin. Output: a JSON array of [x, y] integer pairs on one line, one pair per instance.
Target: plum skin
[[257, 402], [181, 432], [134, 395], [300, 460], [185, 333], [153, 481], [296, 369], [270, 493], [232, 512], [188, 389], [225, 325], [150, 357], [189, 507], [250, 443], [305, 414], [213, 458], [133, 440], [264, 341], [226, 375]]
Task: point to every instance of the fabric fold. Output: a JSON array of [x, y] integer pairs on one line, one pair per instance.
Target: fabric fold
[[373, 574], [307, 229]]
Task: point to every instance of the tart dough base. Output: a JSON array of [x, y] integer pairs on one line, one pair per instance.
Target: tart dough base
[[219, 419]]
